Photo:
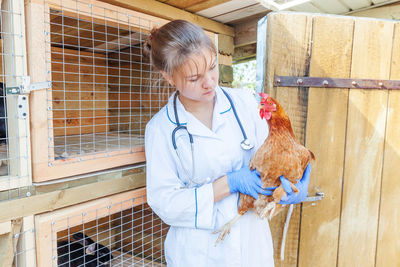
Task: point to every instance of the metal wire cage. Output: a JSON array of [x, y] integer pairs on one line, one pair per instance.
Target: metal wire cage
[[120, 230], [103, 88]]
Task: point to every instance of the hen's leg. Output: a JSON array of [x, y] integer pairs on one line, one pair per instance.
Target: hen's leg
[[226, 229], [245, 203]]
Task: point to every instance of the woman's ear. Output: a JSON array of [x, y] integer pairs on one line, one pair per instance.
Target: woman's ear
[[168, 78]]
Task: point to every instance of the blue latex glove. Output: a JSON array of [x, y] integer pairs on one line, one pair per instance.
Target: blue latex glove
[[302, 185], [247, 182]]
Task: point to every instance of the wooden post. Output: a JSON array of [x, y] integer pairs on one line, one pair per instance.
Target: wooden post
[[388, 246], [26, 243], [288, 46], [13, 34], [326, 130], [372, 49]]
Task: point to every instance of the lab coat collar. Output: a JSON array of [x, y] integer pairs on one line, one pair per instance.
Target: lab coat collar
[[194, 126]]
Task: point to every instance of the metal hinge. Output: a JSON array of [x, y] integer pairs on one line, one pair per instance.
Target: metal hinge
[[26, 87]]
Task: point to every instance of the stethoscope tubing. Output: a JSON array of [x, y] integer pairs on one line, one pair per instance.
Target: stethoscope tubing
[[244, 144]]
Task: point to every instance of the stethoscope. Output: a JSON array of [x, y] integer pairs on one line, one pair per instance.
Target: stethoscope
[[245, 144]]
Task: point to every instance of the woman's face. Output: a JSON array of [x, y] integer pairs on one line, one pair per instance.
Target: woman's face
[[198, 77]]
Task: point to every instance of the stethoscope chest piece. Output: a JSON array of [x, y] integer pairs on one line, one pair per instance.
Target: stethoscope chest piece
[[246, 145]]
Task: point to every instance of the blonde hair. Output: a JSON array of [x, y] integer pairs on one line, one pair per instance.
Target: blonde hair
[[176, 42]]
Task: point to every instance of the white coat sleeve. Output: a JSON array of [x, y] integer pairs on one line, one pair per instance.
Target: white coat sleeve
[[176, 206]]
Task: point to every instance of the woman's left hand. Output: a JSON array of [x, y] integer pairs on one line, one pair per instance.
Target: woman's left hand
[[292, 197]]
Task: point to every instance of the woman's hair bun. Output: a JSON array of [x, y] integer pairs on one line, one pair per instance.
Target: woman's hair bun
[[149, 42]]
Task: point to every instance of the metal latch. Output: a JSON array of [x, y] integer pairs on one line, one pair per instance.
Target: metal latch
[[26, 87], [318, 196]]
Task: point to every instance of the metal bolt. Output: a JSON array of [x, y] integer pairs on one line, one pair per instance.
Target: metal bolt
[[325, 83], [380, 84], [354, 83], [53, 223], [50, 138], [84, 214], [48, 108], [51, 164], [54, 257], [278, 81], [28, 194], [16, 235], [109, 207], [299, 81]]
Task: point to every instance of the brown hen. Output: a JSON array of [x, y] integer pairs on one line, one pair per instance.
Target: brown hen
[[280, 154]]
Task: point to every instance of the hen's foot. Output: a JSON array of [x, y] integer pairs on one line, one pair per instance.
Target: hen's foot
[[225, 230], [269, 210]]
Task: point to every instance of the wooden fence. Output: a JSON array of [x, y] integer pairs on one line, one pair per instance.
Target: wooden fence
[[353, 133]]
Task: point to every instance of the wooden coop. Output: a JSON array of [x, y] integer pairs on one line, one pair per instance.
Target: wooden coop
[[76, 93], [338, 79]]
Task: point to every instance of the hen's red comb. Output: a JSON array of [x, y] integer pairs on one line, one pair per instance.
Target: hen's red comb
[[263, 95]]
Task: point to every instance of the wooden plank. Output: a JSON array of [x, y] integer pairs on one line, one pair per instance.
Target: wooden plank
[[288, 43], [8, 243], [38, 64], [5, 227], [326, 132], [26, 244], [246, 32], [63, 198], [364, 144], [205, 5], [384, 12], [388, 247], [161, 10], [74, 111], [48, 224], [235, 15]]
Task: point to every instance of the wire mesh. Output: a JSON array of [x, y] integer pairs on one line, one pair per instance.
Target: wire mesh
[[14, 145], [132, 236], [103, 89]]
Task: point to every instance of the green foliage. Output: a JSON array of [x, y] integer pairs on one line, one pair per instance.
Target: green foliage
[[244, 75]]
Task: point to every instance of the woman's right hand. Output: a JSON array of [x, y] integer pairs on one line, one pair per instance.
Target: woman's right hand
[[247, 182]]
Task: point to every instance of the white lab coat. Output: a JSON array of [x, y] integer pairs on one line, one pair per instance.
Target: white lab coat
[[191, 212]]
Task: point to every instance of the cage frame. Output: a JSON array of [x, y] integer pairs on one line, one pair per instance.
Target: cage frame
[[46, 239], [15, 69], [42, 169]]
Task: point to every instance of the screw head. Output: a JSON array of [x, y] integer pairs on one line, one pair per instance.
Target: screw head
[[354, 83], [325, 82], [299, 81]]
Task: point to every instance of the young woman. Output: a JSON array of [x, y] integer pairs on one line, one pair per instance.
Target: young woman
[[196, 164]]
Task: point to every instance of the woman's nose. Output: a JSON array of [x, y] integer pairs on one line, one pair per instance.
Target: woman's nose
[[208, 80]]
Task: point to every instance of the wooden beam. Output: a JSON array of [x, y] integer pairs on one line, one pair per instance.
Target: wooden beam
[[62, 198], [384, 12], [246, 33], [244, 53], [168, 12], [225, 44], [205, 5]]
